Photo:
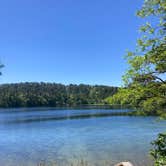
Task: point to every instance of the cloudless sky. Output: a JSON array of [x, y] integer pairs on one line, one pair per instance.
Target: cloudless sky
[[67, 41]]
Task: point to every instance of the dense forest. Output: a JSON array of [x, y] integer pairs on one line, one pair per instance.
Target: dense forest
[[52, 94]]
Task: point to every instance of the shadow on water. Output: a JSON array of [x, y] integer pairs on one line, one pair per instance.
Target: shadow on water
[[69, 117], [28, 115], [79, 107]]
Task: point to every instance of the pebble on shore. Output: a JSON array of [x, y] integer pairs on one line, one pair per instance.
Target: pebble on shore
[[124, 164]]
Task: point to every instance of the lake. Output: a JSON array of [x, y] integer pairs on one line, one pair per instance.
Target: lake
[[67, 136]]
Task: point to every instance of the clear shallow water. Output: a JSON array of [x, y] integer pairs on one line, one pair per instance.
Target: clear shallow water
[[28, 136]]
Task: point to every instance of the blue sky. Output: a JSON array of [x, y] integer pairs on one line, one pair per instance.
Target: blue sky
[[67, 41]]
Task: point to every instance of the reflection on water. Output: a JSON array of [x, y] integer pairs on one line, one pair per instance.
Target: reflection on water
[[67, 136], [36, 115]]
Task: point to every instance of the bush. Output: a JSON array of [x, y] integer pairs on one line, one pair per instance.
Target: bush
[[159, 150]]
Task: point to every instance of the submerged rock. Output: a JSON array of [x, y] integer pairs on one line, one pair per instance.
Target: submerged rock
[[124, 164]]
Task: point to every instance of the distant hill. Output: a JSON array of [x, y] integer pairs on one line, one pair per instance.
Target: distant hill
[[32, 94]]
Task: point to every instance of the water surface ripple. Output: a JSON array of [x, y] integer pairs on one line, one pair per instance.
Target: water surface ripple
[[67, 136]]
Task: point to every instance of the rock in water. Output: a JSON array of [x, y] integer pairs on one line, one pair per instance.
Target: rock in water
[[124, 164]]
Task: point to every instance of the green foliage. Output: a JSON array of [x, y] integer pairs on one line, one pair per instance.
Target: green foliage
[[159, 150], [148, 62], [144, 80], [51, 94]]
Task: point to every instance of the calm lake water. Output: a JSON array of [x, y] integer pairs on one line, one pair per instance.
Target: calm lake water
[[67, 136]]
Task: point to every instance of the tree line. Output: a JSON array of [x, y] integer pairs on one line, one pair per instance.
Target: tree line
[[52, 94]]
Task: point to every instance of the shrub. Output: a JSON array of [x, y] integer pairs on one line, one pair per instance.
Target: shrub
[[159, 150]]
